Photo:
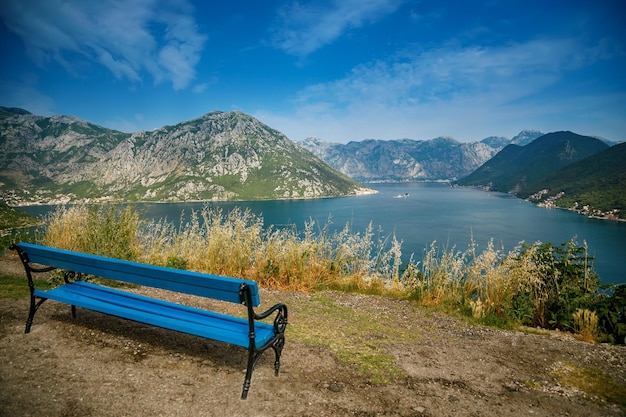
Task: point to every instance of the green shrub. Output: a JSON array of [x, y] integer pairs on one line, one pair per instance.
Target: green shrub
[[566, 282], [534, 284], [611, 312], [174, 261]]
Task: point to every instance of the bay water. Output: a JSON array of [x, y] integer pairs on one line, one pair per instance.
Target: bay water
[[422, 213]]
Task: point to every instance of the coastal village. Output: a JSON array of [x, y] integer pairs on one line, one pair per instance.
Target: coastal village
[[585, 210]]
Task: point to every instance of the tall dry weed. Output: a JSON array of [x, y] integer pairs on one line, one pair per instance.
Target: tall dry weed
[[101, 230], [439, 278], [235, 243], [65, 226], [586, 325]]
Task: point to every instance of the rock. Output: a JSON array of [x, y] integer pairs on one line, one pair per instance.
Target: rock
[[335, 387]]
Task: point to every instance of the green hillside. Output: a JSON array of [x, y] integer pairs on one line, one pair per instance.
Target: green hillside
[[595, 185], [516, 167], [496, 172]]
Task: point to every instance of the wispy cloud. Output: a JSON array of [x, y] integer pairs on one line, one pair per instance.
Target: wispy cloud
[[449, 73], [128, 38], [461, 91], [306, 27]]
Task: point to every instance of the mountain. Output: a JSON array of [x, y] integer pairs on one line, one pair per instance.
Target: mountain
[[441, 158], [496, 142], [11, 111], [217, 156], [41, 157], [516, 167], [593, 186], [401, 160], [525, 137]]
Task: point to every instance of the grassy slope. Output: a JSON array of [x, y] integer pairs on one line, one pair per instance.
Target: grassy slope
[[516, 167], [598, 181]]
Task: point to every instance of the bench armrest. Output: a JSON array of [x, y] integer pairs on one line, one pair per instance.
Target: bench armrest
[[28, 266], [280, 321]]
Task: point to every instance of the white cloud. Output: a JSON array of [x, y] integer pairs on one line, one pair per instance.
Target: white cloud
[[446, 74], [199, 88], [127, 37], [466, 92], [304, 28]]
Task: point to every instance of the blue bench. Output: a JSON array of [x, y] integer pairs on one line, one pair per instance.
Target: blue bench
[[250, 332]]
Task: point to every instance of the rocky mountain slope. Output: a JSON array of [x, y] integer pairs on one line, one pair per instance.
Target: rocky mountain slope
[[442, 158], [217, 156]]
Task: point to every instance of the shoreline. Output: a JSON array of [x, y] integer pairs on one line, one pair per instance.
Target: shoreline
[[551, 204], [357, 192]]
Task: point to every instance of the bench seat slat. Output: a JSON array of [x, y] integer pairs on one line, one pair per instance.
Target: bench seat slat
[[189, 282], [159, 313]]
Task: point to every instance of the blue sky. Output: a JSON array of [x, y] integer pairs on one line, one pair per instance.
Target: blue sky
[[337, 69]]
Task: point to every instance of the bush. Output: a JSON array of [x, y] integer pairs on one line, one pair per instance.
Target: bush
[[611, 312], [534, 284], [565, 283]]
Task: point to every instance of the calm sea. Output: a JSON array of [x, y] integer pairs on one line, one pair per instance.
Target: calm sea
[[430, 212]]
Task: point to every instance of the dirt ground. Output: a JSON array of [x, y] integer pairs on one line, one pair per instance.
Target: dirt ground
[[97, 365]]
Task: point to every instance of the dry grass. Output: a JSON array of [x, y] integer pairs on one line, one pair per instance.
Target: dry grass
[[586, 325], [234, 244], [103, 230], [491, 285]]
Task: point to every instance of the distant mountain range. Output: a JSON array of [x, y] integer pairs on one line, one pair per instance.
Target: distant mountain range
[[441, 158], [528, 165], [233, 156], [560, 169], [219, 156]]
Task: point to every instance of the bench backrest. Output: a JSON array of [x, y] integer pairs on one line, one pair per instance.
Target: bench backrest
[[189, 282]]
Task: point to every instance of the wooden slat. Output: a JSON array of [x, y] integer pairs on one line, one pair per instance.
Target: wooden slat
[[159, 313], [189, 282]]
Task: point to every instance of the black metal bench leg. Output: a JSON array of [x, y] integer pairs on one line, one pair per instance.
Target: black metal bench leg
[[31, 316], [278, 349], [249, 369], [34, 306]]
